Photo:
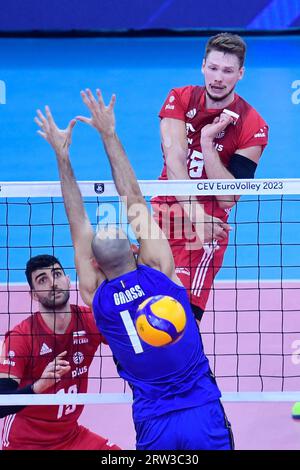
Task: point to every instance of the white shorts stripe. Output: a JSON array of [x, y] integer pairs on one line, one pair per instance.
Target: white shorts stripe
[[201, 271], [6, 429], [198, 269]]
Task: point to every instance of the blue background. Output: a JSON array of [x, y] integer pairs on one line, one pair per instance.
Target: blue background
[[65, 15]]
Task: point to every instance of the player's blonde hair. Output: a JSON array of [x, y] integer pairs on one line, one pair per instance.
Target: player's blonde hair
[[229, 44]]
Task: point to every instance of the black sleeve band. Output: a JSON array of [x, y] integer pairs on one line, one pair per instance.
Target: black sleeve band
[[242, 167], [9, 387]]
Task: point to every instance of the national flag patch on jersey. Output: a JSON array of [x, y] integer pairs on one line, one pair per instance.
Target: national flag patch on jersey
[[45, 349], [79, 337]]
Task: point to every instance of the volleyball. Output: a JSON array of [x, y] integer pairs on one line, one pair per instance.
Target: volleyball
[[160, 320]]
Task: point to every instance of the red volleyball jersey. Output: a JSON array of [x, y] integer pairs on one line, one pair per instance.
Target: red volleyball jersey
[[27, 350], [188, 104]]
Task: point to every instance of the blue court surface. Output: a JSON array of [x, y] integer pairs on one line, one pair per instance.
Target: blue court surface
[[141, 71]]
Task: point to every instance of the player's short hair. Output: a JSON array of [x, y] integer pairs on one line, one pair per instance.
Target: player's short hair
[[39, 262], [229, 44]]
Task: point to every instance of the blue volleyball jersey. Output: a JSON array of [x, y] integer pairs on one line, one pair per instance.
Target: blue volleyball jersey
[[163, 379]]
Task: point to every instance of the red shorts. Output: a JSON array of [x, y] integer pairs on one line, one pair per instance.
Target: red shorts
[[197, 269], [81, 439], [88, 440]]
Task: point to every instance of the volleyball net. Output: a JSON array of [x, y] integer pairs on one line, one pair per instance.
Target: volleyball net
[[251, 326]]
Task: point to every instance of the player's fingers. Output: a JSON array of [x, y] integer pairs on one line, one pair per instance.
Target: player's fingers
[[225, 118], [62, 354], [42, 134], [42, 117], [61, 363], [84, 119], [112, 102], [100, 98], [85, 99], [90, 96], [63, 371], [49, 115], [38, 122], [71, 125], [221, 234], [226, 227]]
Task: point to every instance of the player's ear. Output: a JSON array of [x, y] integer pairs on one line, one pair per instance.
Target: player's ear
[[33, 295], [95, 263], [241, 73], [203, 65]]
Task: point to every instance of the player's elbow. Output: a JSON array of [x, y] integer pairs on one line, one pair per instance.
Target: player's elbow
[[176, 168]]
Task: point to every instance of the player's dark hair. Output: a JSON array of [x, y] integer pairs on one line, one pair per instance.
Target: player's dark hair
[[229, 44], [39, 262]]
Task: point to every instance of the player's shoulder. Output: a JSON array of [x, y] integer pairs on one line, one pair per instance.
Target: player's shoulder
[[86, 315], [22, 332], [249, 113], [24, 327], [184, 91]]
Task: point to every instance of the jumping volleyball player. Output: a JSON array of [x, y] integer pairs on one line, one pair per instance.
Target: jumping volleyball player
[[176, 401], [196, 147]]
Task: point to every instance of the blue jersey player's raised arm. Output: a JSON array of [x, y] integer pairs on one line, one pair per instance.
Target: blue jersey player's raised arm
[[176, 401]]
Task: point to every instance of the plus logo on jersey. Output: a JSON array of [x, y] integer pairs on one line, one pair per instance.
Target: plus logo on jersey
[[260, 133], [169, 105], [78, 357], [9, 361]]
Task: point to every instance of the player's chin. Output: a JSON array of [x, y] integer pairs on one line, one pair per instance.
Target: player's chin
[[217, 95]]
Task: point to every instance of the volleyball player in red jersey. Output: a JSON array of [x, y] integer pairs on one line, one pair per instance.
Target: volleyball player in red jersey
[[50, 352], [208, 132]]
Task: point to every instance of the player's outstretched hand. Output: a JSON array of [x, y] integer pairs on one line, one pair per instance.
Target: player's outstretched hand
[[102, 116], [52, 373], [59, 139]]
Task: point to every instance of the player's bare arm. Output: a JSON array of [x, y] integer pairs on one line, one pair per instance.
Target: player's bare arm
[[154, 247], [81, 230], [53, 373], [174, 142]]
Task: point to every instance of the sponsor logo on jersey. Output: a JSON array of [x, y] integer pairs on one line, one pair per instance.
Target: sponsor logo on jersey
[[183, 271], [8, 362], [45, 349], [79, 337], [260, 133], [191, 113], [170, 106], [220, 135], [189, 127], [79, 371], [78, 357], [99, 188], [128, 295]]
